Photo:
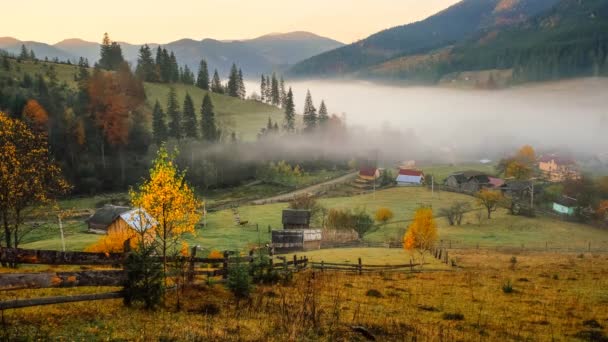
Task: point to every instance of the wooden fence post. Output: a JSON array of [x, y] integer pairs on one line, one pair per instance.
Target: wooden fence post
[[295, 262], [191, 266], [589, 248], [322, 266], [360, 267], [411, 266], [225, 266]]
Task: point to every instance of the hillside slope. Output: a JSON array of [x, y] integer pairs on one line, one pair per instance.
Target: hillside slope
[[455, 24]]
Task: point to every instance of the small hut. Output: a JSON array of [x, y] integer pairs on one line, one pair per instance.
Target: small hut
[[112, 217], [101, 220], [296, 219]]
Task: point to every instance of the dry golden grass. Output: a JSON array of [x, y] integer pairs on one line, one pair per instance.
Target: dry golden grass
[[560, 297]]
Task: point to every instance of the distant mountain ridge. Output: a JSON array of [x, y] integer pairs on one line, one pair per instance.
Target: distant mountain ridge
[[254, 56], [450, 26]]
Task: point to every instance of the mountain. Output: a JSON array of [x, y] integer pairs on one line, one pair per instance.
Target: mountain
[[568, 40], [260, 55], [452, 25], [13, 46]]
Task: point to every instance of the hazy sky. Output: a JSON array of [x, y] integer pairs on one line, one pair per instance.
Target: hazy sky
[[140, 21]]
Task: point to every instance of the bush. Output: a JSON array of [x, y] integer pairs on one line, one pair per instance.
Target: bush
[[453, 316], [341, 219], [455, 213], [384, 215], [261, 269], [239, 281], [507, 287], [306, 202], [144, 278], [374, 293]]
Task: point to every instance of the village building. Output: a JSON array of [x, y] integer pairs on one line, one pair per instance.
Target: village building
[[118, 218], [471, 181], [565, 206], [367, 177], [556, 169], [296, 234], [410, 177]]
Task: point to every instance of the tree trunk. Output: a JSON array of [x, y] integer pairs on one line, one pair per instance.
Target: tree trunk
[[7, 230], [103, 154]]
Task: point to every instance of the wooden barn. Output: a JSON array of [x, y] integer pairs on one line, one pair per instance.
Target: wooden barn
[[113, 218], [292, 240], [296, 219], [410, 177]]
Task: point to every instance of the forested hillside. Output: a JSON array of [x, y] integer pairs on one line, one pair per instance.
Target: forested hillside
[[448, 27]]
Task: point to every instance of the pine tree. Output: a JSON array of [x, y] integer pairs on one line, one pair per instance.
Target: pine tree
[[263, 89], [242, 91], [282, 92], [159, 127], [275, 95], [216, 83], [310, 113], [290, 112], [190, 125], [323, 115], [110, 54], [233, 82], [202, 81], [268, 90], [33, 55], [209, 129], [24, 55], [175, 122], [174, 67], [146, 70]]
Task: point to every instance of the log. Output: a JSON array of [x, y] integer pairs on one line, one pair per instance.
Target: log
[[45, 257], [23, 303], [13, 281]]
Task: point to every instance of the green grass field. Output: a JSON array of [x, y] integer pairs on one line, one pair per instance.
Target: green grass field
[[503, 229], [441, 172]]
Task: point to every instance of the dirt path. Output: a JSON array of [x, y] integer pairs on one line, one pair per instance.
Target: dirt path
[[313, 189]]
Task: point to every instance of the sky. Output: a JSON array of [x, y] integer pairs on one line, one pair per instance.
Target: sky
[[152, 21]]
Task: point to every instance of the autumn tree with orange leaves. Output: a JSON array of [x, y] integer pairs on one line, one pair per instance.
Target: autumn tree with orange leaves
[[28, 176], [421, 234], [520, 166], [171, 201], [36, 116]]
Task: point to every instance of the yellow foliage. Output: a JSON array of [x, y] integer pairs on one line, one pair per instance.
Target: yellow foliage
[[384, 215], [526, 154], [184, 251], [170, 200], [113, 241], [422, 233], [518, 170], [215, 255], [490, 200]]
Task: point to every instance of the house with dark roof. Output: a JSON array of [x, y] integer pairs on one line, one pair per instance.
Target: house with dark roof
[[103, 218], [470, 181], [296, 234], [558, 169], [410, 177], [112, 217]]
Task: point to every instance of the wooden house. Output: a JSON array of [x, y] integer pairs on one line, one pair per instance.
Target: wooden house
[[367, 177], [103, 217], [291, 240], [113, 218], [470, 181], [557, 169], [296, 219], [410, 177]]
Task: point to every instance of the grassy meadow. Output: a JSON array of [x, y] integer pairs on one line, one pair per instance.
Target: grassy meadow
[[539, 297]]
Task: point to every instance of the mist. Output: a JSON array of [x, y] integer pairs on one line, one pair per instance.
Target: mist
[[465, 124]]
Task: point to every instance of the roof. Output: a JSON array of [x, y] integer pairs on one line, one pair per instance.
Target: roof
[[496, 182], [295, 216], [106, 215], [139, 219], [411, 172], [567, 201], [409, 179], [465, 176], [557, 159], [368, 171]]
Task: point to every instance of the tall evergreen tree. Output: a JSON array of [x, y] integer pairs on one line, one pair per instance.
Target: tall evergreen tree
[[190, 125], [159, 126], [175, 117], [146, 70], [202, 81], [33, 56], [110, 54], [216, 83], [282, 92], [310, 113], [290, 112], [24, 55], [174, 67], [274, 91], [242, 90], [268, 90], [323, 117], [208, 126], [233, 82], [263, 89]]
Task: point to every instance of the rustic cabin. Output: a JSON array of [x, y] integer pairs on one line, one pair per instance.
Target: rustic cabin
[[112, 217], [296, 219], [367, 177], [410, 177], [291, 240], [103, 218], [471, 181]]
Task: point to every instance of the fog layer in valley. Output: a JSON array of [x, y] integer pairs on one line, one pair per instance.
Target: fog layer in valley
[[569, 115]]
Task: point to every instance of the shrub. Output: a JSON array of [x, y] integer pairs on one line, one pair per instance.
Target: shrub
[[453, 316], [455, 213], [342, 219], [374, 293], [306, 202], [144, 278], [215, 255], [239, 281], [261, 270], [384, 215], [507, 287]]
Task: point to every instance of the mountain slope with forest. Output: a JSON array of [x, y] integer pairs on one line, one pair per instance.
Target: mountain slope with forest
[[457, 23], [259, 55]]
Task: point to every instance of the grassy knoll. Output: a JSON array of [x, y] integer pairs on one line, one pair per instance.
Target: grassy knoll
[[554, 297], [64, 72]]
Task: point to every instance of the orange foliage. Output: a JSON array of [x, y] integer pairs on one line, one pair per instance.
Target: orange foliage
[[384, 215], [113, 242], [215, 255], [526, 154], [422, 233], [602, 210], [36, 116]]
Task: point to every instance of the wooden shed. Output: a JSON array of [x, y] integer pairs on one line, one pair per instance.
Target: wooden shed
[[101, 220], [291, 240], [115, 218], [296, 219]]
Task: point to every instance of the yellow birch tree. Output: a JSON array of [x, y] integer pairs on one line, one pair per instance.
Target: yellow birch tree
[[421, 235]]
